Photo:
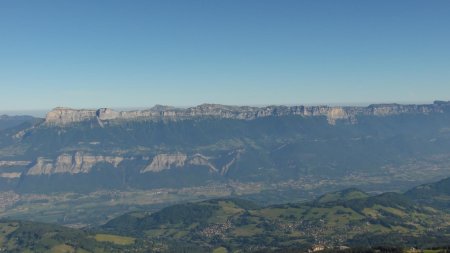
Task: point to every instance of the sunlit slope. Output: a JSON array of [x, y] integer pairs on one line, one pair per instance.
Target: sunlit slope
[[345, 218], [349, 217]]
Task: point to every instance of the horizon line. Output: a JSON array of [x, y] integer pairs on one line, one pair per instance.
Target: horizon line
[[43, 112]]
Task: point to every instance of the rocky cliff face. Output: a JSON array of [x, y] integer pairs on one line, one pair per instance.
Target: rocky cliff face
[[72, 164], [13, 163], [166, 161], [10, 175], [201, 160], [63, 116], [83, 163], [169, 161]]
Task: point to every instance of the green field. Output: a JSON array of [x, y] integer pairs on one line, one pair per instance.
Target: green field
[[120, 240]]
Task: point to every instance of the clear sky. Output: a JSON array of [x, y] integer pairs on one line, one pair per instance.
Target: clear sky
[[118, 53]]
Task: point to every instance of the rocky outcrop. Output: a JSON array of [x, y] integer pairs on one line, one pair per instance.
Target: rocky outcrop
[[83, 163], [178, 160], [228, 165], [63, 116], [71, 164], [14, 163], [166, 161], [337, 113], [201, 160], [42, 167], [10, 175]]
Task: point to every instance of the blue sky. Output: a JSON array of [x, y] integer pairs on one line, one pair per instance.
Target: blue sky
[[117, 53]]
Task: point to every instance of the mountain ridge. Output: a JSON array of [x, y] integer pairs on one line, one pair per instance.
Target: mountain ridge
[[71, 145], [63, 116]]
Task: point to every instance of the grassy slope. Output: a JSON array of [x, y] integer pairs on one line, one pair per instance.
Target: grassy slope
[[347, 217], [19, 236]]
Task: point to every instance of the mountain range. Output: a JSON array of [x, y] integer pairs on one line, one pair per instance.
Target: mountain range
[[164, 155], [207, 143]]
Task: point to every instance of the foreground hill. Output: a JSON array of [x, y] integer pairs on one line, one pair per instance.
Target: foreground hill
[[337, 220], [345, 218], [23, 236], [436, 195]]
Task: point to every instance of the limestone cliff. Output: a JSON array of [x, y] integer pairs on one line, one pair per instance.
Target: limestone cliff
[[201, 160], [10, 175], [228, 165], [63, 116], [166, 161], [71, 164], [83, 163], [178, 160], [13, 163]]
